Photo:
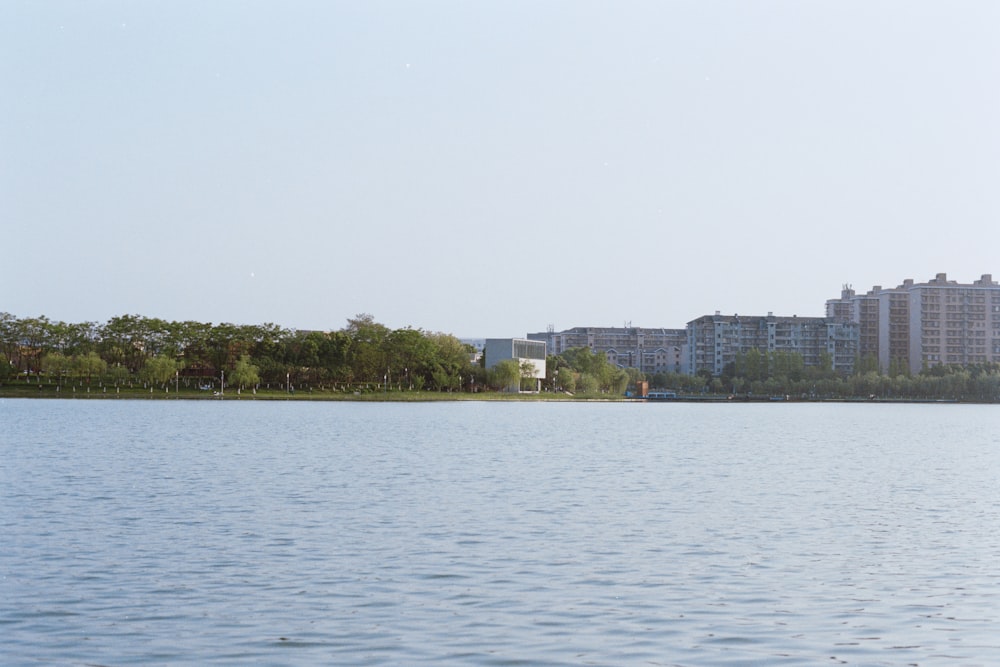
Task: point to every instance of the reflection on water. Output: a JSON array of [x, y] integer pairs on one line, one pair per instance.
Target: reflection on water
[[480, 533]]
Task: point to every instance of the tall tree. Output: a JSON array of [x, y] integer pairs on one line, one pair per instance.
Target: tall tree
[[10, 338], [369, 361], [244, 373], [452, 361], [36, 338], [411, 355], [123, 341]]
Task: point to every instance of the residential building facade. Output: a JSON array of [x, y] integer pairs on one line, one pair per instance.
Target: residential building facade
[[920, 325], [714, 341], [649, 350]]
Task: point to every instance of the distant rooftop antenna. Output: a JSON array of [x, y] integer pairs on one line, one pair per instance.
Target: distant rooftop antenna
[[551, 328]]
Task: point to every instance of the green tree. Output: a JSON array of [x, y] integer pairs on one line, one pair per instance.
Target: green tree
[[595, 366], [192, 339], [822, 371], [413, 355], [224, 345], [752, 365], [34, 338], [866, 364], [617, 381], [452, 361], [587, 384], [786, 366], [335, 354], [56, 364], [898, 366], [117, 374], [10, 339], [566, 379], [528, 381], [244, 373], [79, 338], [553, 365], [159, 370], [585, 360], [303, 349], [89, 365], [505, 375], [123, 341], [369, 362]]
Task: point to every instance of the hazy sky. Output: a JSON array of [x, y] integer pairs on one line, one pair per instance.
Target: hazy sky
[[490, 168]]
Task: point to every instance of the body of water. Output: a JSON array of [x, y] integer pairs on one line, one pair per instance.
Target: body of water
[[293, 533]]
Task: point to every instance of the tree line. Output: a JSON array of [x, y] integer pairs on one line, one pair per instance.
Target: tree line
[[366, 354], [761, 373], [362, 354], [132, 347], [585, 371]]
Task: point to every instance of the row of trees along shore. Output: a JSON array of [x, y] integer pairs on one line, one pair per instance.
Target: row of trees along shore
[[764, 374], [368, 356], [364, 355], [784, 374]]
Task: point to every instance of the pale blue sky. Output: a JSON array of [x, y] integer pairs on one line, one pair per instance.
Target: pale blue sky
[[489, 168]]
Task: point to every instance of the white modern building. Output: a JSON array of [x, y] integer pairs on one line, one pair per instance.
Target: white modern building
[[524, 352]]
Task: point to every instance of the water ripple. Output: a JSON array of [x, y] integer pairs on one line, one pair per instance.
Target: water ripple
[[498, 534]]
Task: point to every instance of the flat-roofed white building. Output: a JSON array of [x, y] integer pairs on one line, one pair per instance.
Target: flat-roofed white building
[[524, 352]]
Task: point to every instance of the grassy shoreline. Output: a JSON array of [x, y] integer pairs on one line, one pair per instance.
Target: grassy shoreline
[[44, 391], [144, 393]]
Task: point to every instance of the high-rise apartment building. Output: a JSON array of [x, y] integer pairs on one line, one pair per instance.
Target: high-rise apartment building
[[918, 325], [715, 340]]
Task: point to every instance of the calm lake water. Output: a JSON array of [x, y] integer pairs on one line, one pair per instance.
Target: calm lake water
[[292, 533]]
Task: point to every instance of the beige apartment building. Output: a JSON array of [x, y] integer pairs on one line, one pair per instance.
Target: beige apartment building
[[649, 350], [918, 325]]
